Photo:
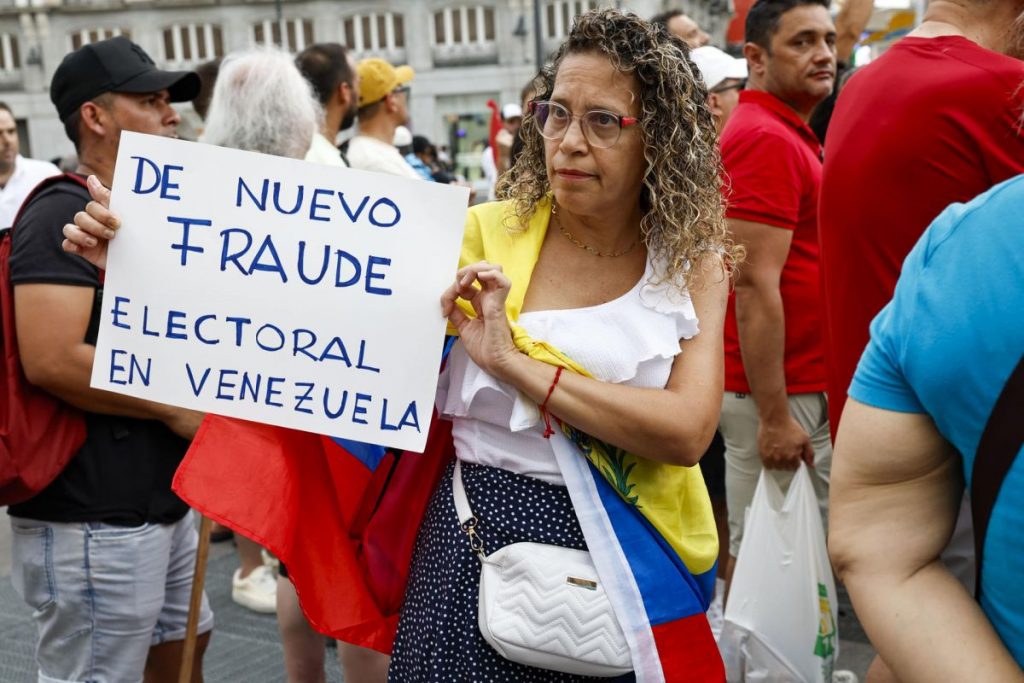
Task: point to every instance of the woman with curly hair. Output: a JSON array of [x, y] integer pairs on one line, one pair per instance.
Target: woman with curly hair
[[584, 388], [608, 259]]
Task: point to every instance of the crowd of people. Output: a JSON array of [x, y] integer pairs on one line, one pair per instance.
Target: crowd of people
[[689, 268]]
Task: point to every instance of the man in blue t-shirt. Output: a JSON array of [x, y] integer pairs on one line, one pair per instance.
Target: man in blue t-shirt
[[933, 392]]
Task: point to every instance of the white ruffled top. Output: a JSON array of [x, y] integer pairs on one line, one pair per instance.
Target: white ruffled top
[[630, 340]]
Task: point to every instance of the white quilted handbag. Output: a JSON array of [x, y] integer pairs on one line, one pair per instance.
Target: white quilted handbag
[[542, 605]]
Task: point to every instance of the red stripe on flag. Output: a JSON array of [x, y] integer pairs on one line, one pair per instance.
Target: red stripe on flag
[[688, 651]]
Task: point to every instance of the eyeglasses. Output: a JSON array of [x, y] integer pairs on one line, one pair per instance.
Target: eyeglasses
[[600, 128], [401, 89], [738, 85]]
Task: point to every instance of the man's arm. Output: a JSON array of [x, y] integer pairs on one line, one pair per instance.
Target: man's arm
[[761, 323], [51, 322], [851, 20], [895, 492]]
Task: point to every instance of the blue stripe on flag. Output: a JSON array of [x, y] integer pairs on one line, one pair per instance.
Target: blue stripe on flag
[[658, 570], [367, 453], [449, 342]]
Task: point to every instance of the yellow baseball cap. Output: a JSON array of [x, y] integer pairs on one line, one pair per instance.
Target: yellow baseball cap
[[377, 78]]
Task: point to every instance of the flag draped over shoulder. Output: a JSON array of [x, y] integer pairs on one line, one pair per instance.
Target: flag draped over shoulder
[[343, 516]]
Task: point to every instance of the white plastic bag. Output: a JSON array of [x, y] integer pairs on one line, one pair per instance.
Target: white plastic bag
[[780, 620]]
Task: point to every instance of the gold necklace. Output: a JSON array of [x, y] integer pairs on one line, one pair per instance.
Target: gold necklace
[[586, 247]]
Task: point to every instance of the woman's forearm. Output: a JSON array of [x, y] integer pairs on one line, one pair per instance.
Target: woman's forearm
[[659, 424]]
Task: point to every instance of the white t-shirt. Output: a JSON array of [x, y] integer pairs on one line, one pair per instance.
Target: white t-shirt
[[321, 151], [27, 174], [370, 154], [631, 340]]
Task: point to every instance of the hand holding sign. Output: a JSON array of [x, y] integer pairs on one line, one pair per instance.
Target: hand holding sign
[[93, 228], [272, 289]]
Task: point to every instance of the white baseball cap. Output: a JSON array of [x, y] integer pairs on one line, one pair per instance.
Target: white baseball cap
[[511, 111], [716, 66]]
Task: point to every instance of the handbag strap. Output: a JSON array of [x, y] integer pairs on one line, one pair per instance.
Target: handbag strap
[[462, 508], [467, 520]]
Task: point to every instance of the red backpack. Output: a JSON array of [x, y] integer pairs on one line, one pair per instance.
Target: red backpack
[[39, 434]]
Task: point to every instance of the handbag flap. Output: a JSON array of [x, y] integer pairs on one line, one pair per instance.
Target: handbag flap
[[548, 599]]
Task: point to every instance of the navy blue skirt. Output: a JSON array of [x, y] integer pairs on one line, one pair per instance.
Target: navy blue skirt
[[438, 636]]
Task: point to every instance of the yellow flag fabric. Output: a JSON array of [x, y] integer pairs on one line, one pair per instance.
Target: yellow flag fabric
[[674, 499]]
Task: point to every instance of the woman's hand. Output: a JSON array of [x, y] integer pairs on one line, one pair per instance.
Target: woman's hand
[[93, 228], [487, 338]]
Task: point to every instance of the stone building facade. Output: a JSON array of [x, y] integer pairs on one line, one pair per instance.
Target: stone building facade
[[464, 51]]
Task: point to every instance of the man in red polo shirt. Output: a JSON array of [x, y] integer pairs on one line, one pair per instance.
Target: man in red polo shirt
[[933, 121], [774, 411]]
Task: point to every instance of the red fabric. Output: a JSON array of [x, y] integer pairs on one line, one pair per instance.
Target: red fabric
[[683, 647], [39, 433], [735, 33], [492, 135], [348, 544], [772, 162], [931, 122]]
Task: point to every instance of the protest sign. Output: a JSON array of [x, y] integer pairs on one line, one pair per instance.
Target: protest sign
[[276, 290]]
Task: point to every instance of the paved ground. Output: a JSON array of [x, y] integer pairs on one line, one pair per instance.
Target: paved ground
[[245, 646]]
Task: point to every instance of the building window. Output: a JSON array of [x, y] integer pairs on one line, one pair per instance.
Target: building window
[[290, 34], [464, 26], [374, 32], [559, 15], [193, 43], [10, 60], [93, 35]]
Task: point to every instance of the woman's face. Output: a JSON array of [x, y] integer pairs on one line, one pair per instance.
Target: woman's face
[[589, 180]]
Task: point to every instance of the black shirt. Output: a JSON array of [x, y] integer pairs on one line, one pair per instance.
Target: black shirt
[[822, 114], [122, 473]]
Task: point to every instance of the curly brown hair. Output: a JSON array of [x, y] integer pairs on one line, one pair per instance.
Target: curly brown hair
[[681, 196]]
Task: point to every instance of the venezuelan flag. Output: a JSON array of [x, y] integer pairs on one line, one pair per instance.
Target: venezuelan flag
[[342, 516]]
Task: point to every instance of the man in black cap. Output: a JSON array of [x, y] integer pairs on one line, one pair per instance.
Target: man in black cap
[[104, 555]]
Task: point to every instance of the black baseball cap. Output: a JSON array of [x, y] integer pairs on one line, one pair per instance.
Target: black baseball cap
[[114, 65]]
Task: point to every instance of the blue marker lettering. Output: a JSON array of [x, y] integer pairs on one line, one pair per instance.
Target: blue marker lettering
[[186, 225], [306, 396], [117, 312]]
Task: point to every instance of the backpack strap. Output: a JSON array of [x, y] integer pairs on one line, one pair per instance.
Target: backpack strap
[[999, 446], [45, 184]]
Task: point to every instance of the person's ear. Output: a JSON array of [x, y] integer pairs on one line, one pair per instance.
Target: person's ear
[[757, 58], [95, 118], [714, 105], [343, 94]]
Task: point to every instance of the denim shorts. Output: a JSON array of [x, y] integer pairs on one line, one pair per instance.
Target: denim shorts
[[102, 595]]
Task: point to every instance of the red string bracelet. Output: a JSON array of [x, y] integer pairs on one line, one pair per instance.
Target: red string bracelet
[[548, 431]]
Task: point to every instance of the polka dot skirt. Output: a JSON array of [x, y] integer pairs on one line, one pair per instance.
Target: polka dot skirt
[[438, 636]]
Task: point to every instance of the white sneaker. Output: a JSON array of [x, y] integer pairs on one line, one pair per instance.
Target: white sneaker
[[258, 591], [844, 676]]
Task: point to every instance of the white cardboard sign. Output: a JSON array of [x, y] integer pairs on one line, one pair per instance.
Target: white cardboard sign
[[276, 290]]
